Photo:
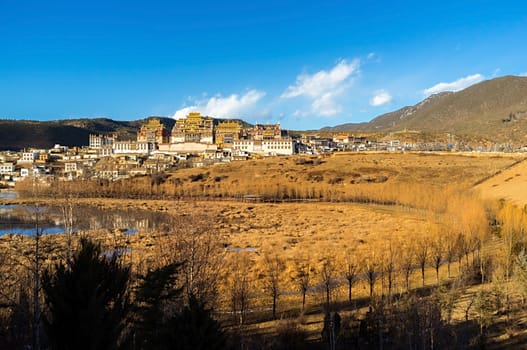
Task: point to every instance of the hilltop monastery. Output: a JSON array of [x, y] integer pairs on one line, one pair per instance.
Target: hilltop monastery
[[199, 134]]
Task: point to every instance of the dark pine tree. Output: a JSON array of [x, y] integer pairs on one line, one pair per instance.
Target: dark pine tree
[[155, 296], [194, 328], [87, 302], [161, 322]]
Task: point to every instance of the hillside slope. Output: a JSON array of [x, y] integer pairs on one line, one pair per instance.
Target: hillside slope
[[19, 134], [494, 109]]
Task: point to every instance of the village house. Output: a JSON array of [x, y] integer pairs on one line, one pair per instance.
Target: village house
[[283, 146], [29, 157], [132, 147], [7, 168], [99, 141], [73, 169]]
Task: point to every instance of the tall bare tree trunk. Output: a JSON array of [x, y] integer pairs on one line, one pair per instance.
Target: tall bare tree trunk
[[36, 282]]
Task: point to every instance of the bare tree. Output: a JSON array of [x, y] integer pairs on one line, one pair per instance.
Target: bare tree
[[66, 197], [189, 239], [239, 284], [460, 250], [303, 280], [351, 272], [389, 267], [20, 288], [37, 214], [327, 273], [36, 281], [407, 262], [484, 307], [274, 266], [449, 251], [421, 255], [371, 268], [512, 232], [437, 255]]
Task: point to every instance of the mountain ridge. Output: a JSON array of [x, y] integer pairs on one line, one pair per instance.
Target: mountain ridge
[[494, 109], [20, 134]]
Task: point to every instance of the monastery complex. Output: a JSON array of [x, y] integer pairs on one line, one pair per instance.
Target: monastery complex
[[197, 134]]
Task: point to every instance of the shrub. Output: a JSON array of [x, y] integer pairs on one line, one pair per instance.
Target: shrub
[[302, 161], [198, 177], [158, 179], [335, 180], [380, 179], [315, 177], [219, 178]]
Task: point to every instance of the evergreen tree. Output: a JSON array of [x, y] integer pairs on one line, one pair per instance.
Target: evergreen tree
[[87, 302], [161, 322], [19, 326], [194, 328], [155, 298]]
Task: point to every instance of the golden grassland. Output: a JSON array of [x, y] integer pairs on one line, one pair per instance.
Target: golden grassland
[[364, 207], [404, 178], [422, 185], [509, 185]]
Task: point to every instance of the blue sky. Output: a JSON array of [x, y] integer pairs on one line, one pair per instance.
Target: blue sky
[[305, 64]]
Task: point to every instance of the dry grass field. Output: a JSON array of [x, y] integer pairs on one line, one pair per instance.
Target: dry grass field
[[403, 178], [366, 207], [509, 185], [337, 177]]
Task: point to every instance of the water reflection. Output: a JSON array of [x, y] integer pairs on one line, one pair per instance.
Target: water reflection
[[21, 219], [7, 194]]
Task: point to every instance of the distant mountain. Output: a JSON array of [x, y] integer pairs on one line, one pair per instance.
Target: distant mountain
[[494, 110], [20, 134]]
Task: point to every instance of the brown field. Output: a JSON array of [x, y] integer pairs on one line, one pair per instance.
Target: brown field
[[404, 178], [359, 205], [509, 185], [341, 177]]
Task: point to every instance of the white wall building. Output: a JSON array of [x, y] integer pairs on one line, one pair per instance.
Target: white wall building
[[98, 141], [281, 146], [132, 147], [73, 169], [29, 157], [187, 147], [7, 168], [70, 167]]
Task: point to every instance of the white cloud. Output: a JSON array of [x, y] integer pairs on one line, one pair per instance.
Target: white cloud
[[232, 106], [299, 113], [323, 87], [496, 72], [524, 74], [373, 57], [381, 98], [457, 85], [183, 112], [326, 106]]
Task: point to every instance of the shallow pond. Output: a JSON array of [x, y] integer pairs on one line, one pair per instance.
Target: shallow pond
[[17, 219]]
